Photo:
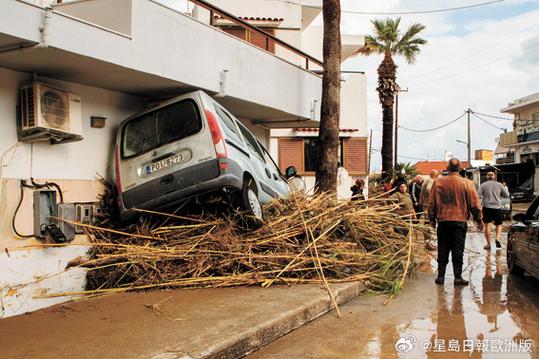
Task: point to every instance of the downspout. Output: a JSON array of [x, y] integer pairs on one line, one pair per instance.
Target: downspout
[[44, 29]]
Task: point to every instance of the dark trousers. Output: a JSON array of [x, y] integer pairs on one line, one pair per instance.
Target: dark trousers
[[451, 238]]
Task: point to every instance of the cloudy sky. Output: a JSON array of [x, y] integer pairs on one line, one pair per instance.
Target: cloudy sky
[[480, 58]]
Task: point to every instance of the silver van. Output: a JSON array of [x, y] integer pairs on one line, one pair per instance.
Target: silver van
[[191, 146]]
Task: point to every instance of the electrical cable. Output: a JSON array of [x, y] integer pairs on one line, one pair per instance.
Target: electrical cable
[[488, 122], [495, 117], [431, 11], [434, 128], [48, 185], [22, 184]]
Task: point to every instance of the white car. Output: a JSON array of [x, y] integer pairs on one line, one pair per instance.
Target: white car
[[191, 146]]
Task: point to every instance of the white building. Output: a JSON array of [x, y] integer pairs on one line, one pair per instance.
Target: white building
[[115, 58], [295, 145]]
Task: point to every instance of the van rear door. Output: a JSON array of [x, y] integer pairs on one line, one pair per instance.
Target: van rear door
[[156, 147]]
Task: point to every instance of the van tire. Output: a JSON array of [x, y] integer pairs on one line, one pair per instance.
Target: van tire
[[250, 202]]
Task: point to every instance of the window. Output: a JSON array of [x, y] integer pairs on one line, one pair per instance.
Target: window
[[230, 126], [271, 163], [159, 127], [312, 153], [251, 141]]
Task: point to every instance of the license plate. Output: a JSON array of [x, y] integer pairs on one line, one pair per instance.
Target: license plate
[[164, 163]]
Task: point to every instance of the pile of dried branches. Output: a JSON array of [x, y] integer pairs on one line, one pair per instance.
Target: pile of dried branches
[[304, 240]]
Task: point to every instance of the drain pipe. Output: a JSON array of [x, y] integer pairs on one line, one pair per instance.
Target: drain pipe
[[222, 84], [44, 29]]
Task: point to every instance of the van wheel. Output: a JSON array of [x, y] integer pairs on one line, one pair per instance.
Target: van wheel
[[251, 203]]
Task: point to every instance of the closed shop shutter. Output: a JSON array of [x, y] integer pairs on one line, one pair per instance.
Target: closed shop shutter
[[291, 153], [355, 156], [259, 40], [236, 31]]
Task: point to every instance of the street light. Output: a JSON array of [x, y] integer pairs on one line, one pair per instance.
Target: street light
[[468, 148]]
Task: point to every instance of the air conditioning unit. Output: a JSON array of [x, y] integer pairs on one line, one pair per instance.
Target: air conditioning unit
[[49, 113]]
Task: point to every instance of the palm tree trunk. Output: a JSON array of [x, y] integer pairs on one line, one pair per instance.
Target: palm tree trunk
[[387, 87], [387, 141], [328, 137]]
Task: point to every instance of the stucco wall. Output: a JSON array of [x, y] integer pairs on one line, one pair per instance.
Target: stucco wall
[[114, 15], [74, 166]]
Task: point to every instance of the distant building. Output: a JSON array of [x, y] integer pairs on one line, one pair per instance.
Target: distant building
[[521, 145], [424, 168], [484, 155]]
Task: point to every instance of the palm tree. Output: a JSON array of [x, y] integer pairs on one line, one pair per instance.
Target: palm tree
[[328, 137], [406, 170], [389, 41]]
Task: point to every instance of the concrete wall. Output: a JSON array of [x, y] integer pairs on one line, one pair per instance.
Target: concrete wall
[[115, 14], [354, 103], [192, 55], [74, 166]]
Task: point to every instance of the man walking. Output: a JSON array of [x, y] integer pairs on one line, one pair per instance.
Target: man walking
[[451, 200], [490, 193]]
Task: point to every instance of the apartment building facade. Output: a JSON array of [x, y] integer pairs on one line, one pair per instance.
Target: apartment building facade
[[112, 59]]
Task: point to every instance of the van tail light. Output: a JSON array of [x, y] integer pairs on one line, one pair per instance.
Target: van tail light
[[216, 135], [117, 169]]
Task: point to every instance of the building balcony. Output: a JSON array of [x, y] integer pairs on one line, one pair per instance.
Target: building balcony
[[528, 137], [144, 48]]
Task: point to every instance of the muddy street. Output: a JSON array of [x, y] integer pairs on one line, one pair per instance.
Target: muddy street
[[497, 315]]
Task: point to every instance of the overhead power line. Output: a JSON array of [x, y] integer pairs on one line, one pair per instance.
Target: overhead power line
[[493, 116], [427, 11], [488, 122], [434, 128]]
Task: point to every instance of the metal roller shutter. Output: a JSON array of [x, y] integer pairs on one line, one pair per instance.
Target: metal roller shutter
[[355, 155], [291, 153]]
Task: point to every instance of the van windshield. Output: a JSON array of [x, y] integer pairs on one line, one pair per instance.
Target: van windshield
[[159, 127]]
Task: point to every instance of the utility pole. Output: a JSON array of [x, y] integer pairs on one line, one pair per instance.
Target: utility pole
[[396, 146], [469, 144], [370, 154]]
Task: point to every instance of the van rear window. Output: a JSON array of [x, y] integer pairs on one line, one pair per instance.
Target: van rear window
[[159, 127]]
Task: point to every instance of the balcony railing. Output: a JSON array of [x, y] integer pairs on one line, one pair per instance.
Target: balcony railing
[[527, 137], [508, 138], [269, 38]]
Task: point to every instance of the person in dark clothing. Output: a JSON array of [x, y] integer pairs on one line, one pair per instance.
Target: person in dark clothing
[[415, 191], [452, 198], [357, 190], [397, 183]]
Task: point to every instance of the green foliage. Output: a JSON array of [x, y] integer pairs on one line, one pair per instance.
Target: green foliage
[[405, 168], [387, 38]]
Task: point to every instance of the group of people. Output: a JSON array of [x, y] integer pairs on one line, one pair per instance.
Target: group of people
[[449, 202]]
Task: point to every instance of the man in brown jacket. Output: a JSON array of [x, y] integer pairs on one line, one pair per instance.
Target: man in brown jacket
[[451, 201]]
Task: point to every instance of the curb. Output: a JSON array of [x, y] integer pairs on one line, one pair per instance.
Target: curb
[[241, 344]]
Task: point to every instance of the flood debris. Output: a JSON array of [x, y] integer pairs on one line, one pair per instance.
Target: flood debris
[[303, 240]]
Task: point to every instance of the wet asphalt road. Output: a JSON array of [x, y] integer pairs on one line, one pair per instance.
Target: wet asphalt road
[[496, 316]]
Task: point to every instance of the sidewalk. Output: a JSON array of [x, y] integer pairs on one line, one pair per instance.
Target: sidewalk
[[198, 323]]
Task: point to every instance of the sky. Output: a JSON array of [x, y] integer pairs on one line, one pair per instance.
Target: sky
[[480, 58]]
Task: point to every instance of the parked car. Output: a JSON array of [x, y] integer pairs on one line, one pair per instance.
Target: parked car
[[523, 242], [524, 192], [507, 207], [191, 146]]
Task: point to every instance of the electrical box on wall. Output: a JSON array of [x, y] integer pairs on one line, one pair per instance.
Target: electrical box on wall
[[67, 211], [44, 211], [85, 214]]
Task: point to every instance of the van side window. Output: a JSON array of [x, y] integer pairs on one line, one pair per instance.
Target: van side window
[[230, 126], [160, 127], [251, 141], [269, 160]]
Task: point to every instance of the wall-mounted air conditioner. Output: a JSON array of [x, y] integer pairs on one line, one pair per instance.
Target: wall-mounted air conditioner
[[49, 113]]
